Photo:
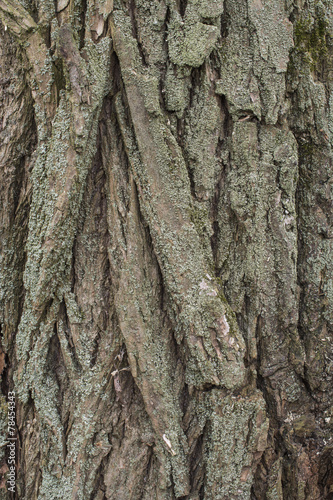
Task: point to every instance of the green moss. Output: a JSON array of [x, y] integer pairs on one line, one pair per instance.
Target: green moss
[[310, 39], [306, 150], [198, 215]]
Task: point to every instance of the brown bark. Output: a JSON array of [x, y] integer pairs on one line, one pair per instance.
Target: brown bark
[[166, 257]]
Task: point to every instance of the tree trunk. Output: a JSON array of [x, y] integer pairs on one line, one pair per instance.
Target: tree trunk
[[166, 249]]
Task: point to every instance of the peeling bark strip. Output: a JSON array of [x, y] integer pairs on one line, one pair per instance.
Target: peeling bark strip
[[166, 259]]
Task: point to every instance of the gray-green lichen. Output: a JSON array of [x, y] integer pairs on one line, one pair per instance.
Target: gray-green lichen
[[190, 44], [202, 132], [196, 239], [254, 60], [176, 89], [237, 430]]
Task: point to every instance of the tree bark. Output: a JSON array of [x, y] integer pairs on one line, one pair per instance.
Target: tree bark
[[166, 249]]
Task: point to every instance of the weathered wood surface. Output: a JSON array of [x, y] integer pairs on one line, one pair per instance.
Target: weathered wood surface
[[166, 248]]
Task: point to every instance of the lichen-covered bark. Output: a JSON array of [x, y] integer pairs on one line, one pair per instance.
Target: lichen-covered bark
[[166, 258]]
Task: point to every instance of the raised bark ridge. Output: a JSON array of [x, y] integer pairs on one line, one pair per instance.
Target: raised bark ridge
[[166, 284]]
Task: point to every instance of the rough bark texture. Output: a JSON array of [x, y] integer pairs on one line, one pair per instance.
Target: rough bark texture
[[166, 248]]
